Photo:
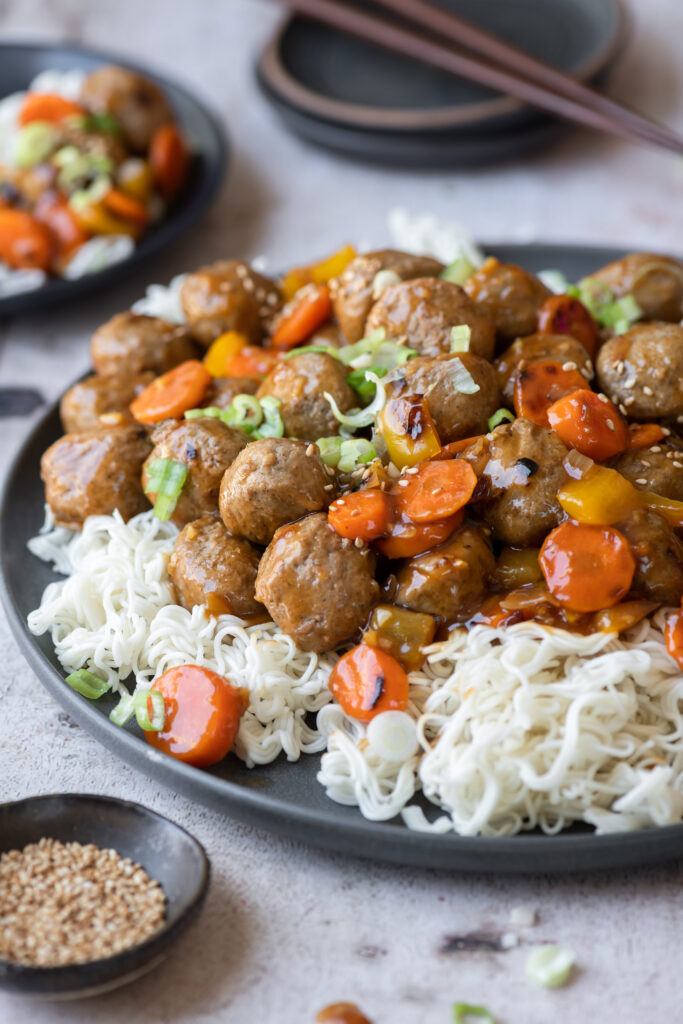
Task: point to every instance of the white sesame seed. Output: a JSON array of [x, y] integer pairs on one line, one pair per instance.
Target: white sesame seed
[[569, 366], [665, 431], [328, 487], [679, 419], [412, 469], [647, 390], [241, 270], [260, 294], [620, 366], [610, 424], [622, 408], [630, 382], [678, 465], [403, 483], [629, 401], [359, 542], [437, 490], [655, 448], [247, 284], [641, 480], [603, 398], [311, 449], [330, 470], [272, 299]]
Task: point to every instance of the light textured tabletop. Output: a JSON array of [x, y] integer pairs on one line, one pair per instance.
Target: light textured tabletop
[[288, 929]]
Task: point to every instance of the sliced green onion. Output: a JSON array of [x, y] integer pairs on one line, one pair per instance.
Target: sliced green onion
[[356, 419], [501, 416], [88, 684], [354, 452], [34, 143], [245, 413], [328, 350], [382, 280], [93, 194], [460, 378], [103, 122], [142, 700], [272, 425], [461, 1011], [549, 966], [460, 338], [65, 156], [365, 389], [124, 710], [621, 314], [458, 271], [166, 480], [330, 449], [393, 736], [595, 295], [211, 410], [555, 281]]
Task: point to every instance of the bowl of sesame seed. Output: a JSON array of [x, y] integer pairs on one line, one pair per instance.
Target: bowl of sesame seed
[[93, 893]]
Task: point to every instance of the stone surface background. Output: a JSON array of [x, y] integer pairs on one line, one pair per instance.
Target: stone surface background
[[288, 929]]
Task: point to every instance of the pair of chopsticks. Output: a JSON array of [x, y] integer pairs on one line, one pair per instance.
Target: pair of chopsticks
[[431, 34]]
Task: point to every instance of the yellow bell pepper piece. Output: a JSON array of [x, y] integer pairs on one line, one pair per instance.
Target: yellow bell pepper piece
[[135, 177], [517, 566], [401, 633], [98, 221], [294, 279], [669, 508], [408, 431], [601, 497], [317, 273], [223, 349]]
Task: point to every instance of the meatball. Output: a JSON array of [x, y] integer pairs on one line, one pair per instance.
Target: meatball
[[210, 568], [560, 347], [455, 414], [138, 104], [508, 296], [228, 296], [272, 482], [84, 403], [223, 390], [299, 384], [451, 579], [207, 447], [659, 556], [425, 310], [131, 343], [520, 471], [656, 282], [353, 292], [643, 370], [658, 469], [317, 586], [94, 472]]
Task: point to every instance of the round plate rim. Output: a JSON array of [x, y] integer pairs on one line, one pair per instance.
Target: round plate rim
[[273, 72], [526, 853], [169, 231]]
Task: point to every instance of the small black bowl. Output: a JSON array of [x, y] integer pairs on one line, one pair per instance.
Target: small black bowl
[[166, 851]]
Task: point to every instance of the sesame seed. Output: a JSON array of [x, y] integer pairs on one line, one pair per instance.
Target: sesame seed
[[678, 465], [620, 366], [359, 542], [247, 284], [330, 470], [641, 480], [655, 448], [603, 398], [569, 366], [260, 294], [311, 449], [629, 401], [272, 299], [241, 270], [630, 382], [437, 490], [354, 512], [412, 469], [328, 487], [647, 390], [622, 408], [665, 431], [403, 483], [367, 474], [610, 424], [679, 419], [586, 373]]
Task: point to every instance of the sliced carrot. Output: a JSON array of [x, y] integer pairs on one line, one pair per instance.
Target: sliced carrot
[[587, 568], [96, 220], [365, 514], [173, 393], [47, 106], [169, 159], [449, 451], [539, 385], [590, 423], [25, 243], [251, 361], [673, 633], [203, 711], [642, 435], [58, 216], [405, 539], [561, 314], [367, 681], [438, 490], [310, 309], [123, 205]]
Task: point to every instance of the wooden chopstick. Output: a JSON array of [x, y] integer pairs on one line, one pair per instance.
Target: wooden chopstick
[[412, 43]]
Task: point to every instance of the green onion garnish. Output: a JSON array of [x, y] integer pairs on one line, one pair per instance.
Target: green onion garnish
[[330, 449], [166, 480], [327, 350], [256, 417], [460, 338], [142, 700], [34, 143], [549, 966], [124, 710], [357, 419], [621, 314], [365, 389], [458, 271], [461, 1011], [500, 416], [87, 684], [355, 452], [211, 410]]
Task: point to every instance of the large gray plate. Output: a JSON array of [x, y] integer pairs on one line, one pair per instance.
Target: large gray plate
[[282, 797]]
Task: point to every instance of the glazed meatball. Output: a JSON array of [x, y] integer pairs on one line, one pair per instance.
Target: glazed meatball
[[138, 104], [449, 580], [299, 384], [223, 390], [130, 343], [228, 296], [508, 296], [658, 468], [425, 310], [94, 472], [659, 556], [643, 370], [84, 403], [520, 471], [317, 586], [455, 414], [210, 568], [656, 282], [207, 447], [353, 293], [537, 347], [272, 482]]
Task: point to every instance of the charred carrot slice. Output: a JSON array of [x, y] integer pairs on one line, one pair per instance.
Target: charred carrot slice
[[25, 243], [251, 361], [173, 393], [560, 314], [311, 308], [587, 568], [405, 539], [123, 205], [361, 514], [47, 106], [541, 384], [169, 159], [590, 423], [367, 681], [437, 491], [449, 451], [642, 435]]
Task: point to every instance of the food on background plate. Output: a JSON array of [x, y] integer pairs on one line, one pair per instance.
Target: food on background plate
[[392, 515], [88, 164]]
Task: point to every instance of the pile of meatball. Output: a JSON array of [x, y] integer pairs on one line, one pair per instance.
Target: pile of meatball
[[255, 539]]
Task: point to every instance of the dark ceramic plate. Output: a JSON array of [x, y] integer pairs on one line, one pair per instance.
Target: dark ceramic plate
[[166, 851], [20, 63], [352, 96], [285, 797]]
